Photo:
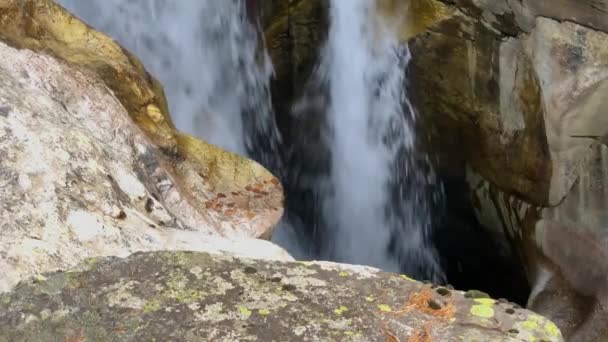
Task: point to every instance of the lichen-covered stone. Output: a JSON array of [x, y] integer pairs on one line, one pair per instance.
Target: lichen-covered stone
[[189, 296], [91, 165]]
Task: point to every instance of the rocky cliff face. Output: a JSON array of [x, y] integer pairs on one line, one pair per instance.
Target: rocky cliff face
[[91, 165], [522, 85], [511, 96]]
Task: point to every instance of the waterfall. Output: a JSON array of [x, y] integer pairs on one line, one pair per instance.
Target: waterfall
[[206, 53], [375, 201], [207, 56]]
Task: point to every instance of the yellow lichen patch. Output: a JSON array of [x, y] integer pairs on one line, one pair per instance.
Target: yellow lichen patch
[[344, 274], [370, 298], [406, 277], [244, 313], [482, 311], [342, 309], [264, 312], [552, 329], [531, 323], [536, 328], [384, 308], [484, 307], [45, 27], [485, 301]]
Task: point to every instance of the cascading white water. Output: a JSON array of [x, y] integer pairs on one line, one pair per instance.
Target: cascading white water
[[368, 130], [204, 52], [206, 55]]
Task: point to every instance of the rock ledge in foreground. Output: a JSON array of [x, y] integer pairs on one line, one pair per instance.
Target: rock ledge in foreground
[[189, 296]]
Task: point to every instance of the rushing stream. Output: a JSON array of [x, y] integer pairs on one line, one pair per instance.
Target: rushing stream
[[370, 127], [206, 53]]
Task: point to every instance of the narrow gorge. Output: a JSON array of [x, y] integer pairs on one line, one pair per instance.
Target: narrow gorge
[[314, 170]]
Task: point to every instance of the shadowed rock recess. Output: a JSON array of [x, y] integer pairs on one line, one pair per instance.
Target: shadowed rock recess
[[187, 296]]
